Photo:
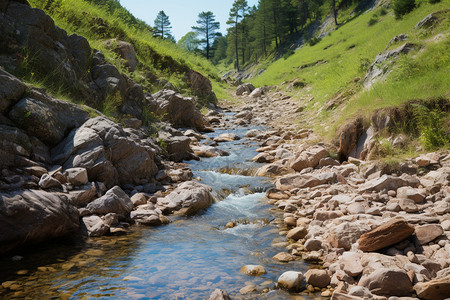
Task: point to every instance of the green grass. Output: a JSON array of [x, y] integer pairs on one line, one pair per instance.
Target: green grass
[[101, 22], [354, 44]]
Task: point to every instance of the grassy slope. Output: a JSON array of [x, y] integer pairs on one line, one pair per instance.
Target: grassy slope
[[159, 57], [354, 43]]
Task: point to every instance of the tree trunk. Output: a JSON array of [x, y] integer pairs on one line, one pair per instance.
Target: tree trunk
[[236, 44], [334, 12]]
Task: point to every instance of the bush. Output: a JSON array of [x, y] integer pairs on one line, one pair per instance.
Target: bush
[[434, 1], [402, 7], [383, 11], [372, 21], [433, 126], [314, 41], [288, 53]]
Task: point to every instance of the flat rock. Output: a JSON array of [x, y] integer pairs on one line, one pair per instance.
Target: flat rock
[[387, 282], [428, 233], [437, 289], [284, 257], [219, 295], [387, 234], [253, 270], [304, 181]]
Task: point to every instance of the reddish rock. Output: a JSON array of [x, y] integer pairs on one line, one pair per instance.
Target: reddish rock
[[385, 235], [437, 289], [297, 233], [317, 278]]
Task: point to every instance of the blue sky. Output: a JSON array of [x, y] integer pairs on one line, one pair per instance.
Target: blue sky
[[182, 13]]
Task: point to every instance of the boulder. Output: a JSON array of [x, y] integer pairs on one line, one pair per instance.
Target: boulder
[[345, 234], [77, 176], [187, 199], [93, 226], [428, 233], [290, 280], [304, 181], [284, 257], [48, 182], [200, 85], [178, 148], [226, 137], [387, 282], [219, 295], [309, 158], [83, 195], [48, 119], [125, 51], [406, 192], [348, 137], [139, 199], [114, 201], [257, 93], [209, 151], [244, 88], [253, 270], [146, 217], [13, 142], [11, 90], [33, 216], [178, 110], [385, 182], [437, 289], [350, 263], [385, 235], [317, 278]]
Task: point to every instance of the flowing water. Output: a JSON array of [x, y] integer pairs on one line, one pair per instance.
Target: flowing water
[[186, 259]]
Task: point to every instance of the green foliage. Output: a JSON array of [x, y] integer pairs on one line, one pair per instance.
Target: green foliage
[[433, 125], [207, 28], [372, 21], [402, 7], [288, 53], [434, 1], [112, 104], [314, 41], [162, 25], [383, 11]]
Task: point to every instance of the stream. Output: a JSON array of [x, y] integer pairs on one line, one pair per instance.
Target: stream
[[186, 259]]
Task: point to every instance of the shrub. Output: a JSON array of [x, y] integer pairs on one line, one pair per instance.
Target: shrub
[[434, 1], [402, 7], [433, 126], [372, 21], [288, 53], [383, 11], [314, 41]]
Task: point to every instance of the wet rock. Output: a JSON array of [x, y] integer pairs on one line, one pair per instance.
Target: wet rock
[[309, 158], [437, 289], [93, 226], [317, 278], [209, 151], [284, 257], [248, 289], [387, 234], [77, 176], [226, 137], [428, 233], [290, 281], [219, 295], [253, 270], [387, 282], [297, 233], [33, 216], [114, 201], [187, 199]]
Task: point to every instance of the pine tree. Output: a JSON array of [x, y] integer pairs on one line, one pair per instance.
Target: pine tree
[[236, 13], [208, 29], [162, 25]]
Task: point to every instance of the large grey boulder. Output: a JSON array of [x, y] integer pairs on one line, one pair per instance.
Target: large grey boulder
[[178, 110], [114, 201], [33, 216], [93, 226], [290, 280], [13, 142], [187, 199], [109, 154], [11, 90], [46, 118], [244, 88]]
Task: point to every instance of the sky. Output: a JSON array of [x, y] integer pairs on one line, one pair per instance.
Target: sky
[[182, 13]]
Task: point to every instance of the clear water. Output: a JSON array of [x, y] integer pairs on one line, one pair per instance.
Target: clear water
[[186, 259]]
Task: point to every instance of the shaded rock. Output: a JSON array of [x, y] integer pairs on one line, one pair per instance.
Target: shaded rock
[[428, 233], [146, 217], [290, 280], [13, 142], [77, 176], [125, 51], [244, 88], [48, 182], [187, 199], [426, 22], [348, 137], [317, 278], [114, 201], [313, 245], [387, 234], [437, 289], [33, 216], [253, 270], [387, 282], [178, 148], [83, 195], [93, 226], [11, 90], [200, 85]]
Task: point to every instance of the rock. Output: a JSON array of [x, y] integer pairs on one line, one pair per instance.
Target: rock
[[385, 182], [317, 278], [385, 235], [344, 235], [200, 85], [437, 289], [48, 119], [313, 245], [257, 93], [248, 289], [387, 282], [253, 270], [428, 233], [94, 226], [341, 296], [416, 195], [11, 90], [303, 181], [187, 199], [246, 87], [83, 195], [408, 205], [290, 281], [146, 217], [226, 137], [348, 137], [36, 171], [48, 182], [272, 170], [284, 257], [139, 199], [356, 209], [209, 151], [219, 295], [427, 22], [77, 176], [350, 263], [263, 157], [125, 51], [178, 110], [277, 194], [360, 291], [178, 148], [33, 216], [309, 158], [13, 142], [297, 233], [321, 215], [328, 161], [114, 201]]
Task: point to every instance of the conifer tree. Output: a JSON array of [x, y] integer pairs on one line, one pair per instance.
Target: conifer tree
[[207, 27], [162, 25]]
